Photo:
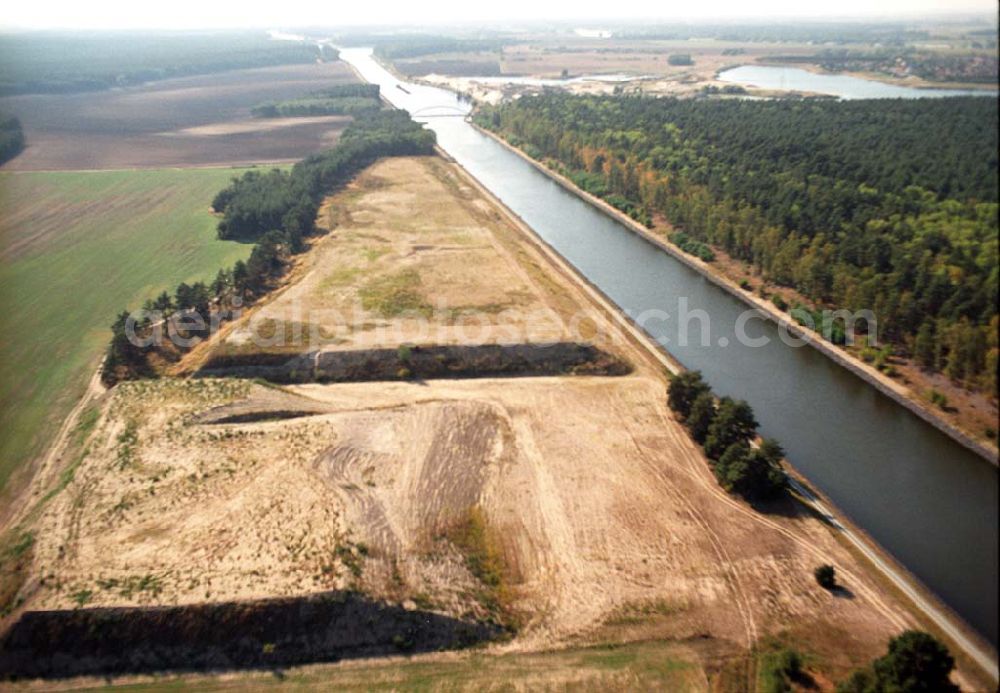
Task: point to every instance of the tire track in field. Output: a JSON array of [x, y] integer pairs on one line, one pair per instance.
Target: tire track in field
[[732, 576], [699, 472]]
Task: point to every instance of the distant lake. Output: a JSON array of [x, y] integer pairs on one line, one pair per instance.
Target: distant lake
[[844, 86]]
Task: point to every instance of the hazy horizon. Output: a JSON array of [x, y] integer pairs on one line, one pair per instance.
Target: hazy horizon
[[228, 14]]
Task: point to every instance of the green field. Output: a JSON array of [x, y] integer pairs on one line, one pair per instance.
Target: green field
[[75, 248], [653, 665]]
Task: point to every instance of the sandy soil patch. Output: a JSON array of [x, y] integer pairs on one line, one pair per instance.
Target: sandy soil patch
[[415, 256], [602, 502], [648, 61]]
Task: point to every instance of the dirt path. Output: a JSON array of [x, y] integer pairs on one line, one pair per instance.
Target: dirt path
[[49, 466], [971, 646]]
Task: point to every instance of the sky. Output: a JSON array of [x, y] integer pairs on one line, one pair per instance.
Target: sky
[[189, 14]]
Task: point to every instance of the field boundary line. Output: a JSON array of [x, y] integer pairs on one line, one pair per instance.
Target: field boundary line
[[47, 460]]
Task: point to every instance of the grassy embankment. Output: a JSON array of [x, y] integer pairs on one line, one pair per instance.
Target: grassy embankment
[[75, 248], [649, 665]]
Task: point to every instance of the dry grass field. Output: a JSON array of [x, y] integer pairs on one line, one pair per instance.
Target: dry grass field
[[636, 57], [414, 256], [574, 506], [184, 122]]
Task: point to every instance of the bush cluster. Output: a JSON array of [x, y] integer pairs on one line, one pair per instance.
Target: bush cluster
[[691, 246], [726, 428]]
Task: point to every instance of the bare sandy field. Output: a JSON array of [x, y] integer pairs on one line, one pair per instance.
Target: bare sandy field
[[574, 506], [415, 256], [610, 522], [643, 59], [190, 121]]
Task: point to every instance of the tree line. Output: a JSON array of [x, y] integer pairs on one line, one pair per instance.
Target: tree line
[[726, 429], [930, 65], [276, 210], [399, 47], [11, 138], [887, 205], [53, 62], [343, 99]]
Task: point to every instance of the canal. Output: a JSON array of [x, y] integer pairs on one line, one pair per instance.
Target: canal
[[926, 499]]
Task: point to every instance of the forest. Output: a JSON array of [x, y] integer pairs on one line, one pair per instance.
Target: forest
[[53, 62], [976, 67], [819, 32], [399, 47], [887, 205], [343, 99], [11, 138], [276, 210]]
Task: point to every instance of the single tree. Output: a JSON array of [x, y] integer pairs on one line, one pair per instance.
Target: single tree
[[916, 663], [164, 303], [221, 283], [183, 297], [925, 346], [826, 576], [734, 422], [684, 390], [700, 417], [771, 450]]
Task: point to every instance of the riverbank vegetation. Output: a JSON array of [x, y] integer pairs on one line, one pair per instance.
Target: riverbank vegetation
[[726, 428], [56, 62], [343, 99], [274, 210], [915, 661], [889, 206], [11, 138]]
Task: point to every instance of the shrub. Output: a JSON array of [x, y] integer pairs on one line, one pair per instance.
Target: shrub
[[826, 576], [779, 669], [938, 399], [691, 246]]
